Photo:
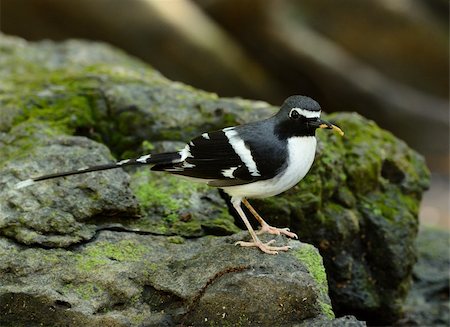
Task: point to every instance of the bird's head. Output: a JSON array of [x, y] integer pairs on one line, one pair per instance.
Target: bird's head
[[300, 116]]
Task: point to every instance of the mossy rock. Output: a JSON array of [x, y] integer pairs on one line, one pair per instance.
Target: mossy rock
[[358, 205], [127, 279], [173, 206]]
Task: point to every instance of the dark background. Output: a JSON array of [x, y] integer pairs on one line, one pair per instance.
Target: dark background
[[387, 59]]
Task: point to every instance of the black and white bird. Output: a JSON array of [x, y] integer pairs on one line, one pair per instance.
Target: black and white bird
[[254, 160]]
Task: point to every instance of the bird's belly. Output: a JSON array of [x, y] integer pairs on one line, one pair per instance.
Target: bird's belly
[[301, 156]]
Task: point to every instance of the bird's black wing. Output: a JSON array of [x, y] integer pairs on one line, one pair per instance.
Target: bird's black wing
[[212, 158]]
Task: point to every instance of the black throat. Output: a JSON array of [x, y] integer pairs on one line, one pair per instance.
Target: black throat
[[286, 129]]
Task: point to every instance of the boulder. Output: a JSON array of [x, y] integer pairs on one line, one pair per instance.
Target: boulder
[[147, 248], [127, 279], [359, 205], [428, 302]]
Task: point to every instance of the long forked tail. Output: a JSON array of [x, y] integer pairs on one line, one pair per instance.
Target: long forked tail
[[148, 159]]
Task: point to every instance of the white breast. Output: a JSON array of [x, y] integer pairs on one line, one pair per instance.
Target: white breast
[[301, 151]]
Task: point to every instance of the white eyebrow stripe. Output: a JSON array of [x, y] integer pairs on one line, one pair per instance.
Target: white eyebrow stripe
[[307, 113], [242, 151]]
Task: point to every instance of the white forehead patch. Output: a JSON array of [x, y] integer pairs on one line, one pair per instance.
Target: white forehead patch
[[306, 113]]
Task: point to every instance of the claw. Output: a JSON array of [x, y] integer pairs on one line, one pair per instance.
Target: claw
[[276, 231], [265, 247]]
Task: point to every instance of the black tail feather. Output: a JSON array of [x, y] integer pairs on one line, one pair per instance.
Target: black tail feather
[[77, 172], [160, 158]]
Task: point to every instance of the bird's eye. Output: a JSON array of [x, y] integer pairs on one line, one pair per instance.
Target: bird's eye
[[294, 114]]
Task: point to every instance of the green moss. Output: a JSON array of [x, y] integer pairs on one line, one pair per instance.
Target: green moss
[[169, 194], [172, 205], [53, 257], [229, 119], [125, 250], [187, 228], [224, 225], [88, 264], [103, 253], [147, 146], [310, 257], [175, 239], [389, 205], [44, 106], [138, 319], [327, 310], [86, 291], [62, 103], [26, 138], [171, 198], [363, 171]]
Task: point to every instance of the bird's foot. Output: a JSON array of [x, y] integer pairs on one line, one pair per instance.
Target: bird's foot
[[266, 228], [265, 247]]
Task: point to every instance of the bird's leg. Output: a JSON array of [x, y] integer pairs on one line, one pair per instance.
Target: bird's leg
[[265, 227], [265, 247]]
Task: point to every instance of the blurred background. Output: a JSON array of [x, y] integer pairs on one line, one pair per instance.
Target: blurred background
[[386, 59]]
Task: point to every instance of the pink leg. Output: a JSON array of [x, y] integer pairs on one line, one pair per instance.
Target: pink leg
[[265, 227], [265, 247]]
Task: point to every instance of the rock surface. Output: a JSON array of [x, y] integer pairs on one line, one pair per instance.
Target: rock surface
[[126, 279], [428, 303], [358, 205], [362, 215]]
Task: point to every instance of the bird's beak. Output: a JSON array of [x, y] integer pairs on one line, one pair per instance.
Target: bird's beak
[[320, 123]]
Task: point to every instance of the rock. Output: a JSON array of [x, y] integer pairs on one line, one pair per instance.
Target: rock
[[358, 205], [428, 302], [126, 279], [73, 250], [70, 210], [345, 321], [173, 206]]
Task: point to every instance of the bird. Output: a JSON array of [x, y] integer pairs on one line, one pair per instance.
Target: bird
[[254, 160]]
